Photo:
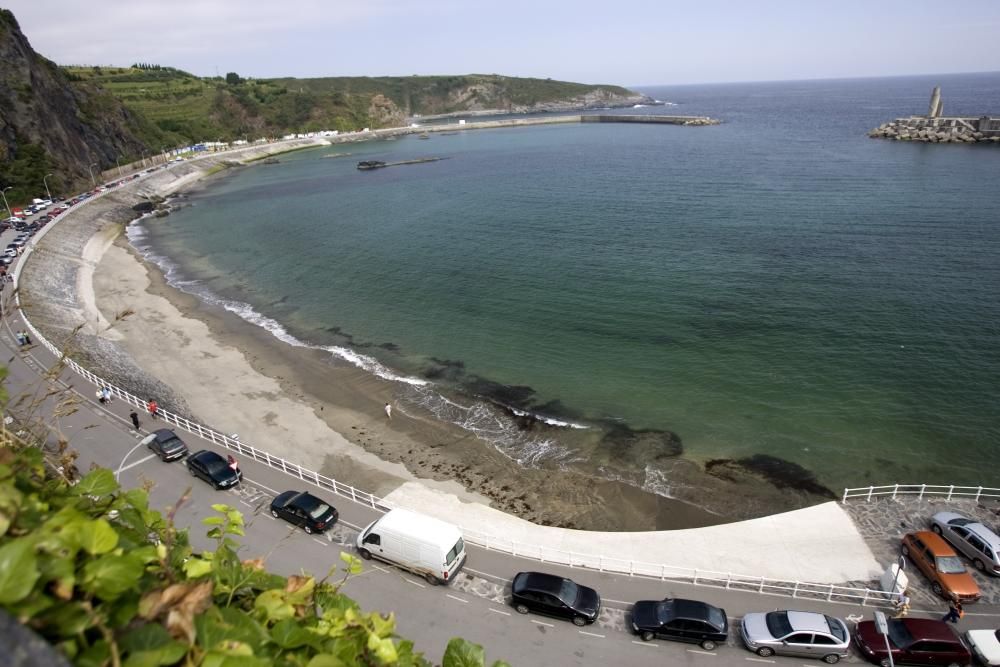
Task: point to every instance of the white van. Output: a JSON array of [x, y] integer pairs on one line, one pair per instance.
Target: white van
[[427, 546]]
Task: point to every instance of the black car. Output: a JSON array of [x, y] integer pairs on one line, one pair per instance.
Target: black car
[[554, 596], [165, 444], [680, 620], [214, 469], [304, 509]]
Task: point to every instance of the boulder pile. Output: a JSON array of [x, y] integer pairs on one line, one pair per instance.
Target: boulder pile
[[906, 130]]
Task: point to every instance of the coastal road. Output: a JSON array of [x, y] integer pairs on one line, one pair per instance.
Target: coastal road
[[474, 606]]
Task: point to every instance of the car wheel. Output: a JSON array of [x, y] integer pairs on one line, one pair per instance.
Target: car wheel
[[936, 528], [364, 553], [274, 513], [831, 659], [954, 664], [308, 529], [980, 565], [708, 645], [905, 550], [885, 662], [765, 652], [191, 470], [647, 636], [579, 621], [936, 587], [431, 579], [521, 609]]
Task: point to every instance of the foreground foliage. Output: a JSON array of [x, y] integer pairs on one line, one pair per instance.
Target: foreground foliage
[[110, 581]]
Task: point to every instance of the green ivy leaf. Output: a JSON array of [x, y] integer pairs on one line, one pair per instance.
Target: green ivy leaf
[[98, 482], [463, 653], [274, 606], [354, 565], [97, 537], [221, 624], [197, 567], [111, 575], [97, 654], [326, 660], [213, 521], [385, 649], [151, 645], [289, 633], [18, 570]]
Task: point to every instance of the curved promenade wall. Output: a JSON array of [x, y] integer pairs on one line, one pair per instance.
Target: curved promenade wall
[[819, 545]]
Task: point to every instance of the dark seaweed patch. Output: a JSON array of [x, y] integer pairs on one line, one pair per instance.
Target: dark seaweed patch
[[640, 446], [779, 472]]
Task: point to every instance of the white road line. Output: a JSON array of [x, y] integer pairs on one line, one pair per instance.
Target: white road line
[[759, 660], [415, 583], [692, 650], [457, 598], [245, 503], [647, 644], [256, 483], [320, 542], [542, 623], [380, 569], [135, 463], [590, 634], [497, 611]]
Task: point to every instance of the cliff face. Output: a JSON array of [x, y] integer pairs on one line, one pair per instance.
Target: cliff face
[[47, 125]]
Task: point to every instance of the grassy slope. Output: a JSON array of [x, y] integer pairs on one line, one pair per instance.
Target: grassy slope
[[182, 107]]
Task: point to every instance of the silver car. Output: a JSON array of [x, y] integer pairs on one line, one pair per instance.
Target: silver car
[[972, 538], [802, 633]]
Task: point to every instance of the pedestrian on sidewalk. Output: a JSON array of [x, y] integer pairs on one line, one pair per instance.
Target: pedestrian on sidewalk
[[902, 605], [955, 612], [20, 338], [100, 397], [106, 393], [153, 408], [135, 419], [27, 338], [388, 411]]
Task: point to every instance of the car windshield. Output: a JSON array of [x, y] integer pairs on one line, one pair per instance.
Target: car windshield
[[216, 466], [568, 591], [318, 511], [950, 565], [836, 629], [777, 624], [899, 635], [716, 617], [172, 443], [960, 522]]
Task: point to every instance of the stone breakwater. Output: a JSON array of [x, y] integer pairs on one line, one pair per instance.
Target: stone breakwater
[[941, 130]]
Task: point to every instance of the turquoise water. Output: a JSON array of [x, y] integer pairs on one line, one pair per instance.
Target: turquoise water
[[778, 284]]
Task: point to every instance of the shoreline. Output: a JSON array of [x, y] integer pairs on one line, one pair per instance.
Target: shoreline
[[335, 413]]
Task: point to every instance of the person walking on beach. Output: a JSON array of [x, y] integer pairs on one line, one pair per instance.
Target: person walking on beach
[[153, 408], [135, 419], [388, 411], [955, 612]]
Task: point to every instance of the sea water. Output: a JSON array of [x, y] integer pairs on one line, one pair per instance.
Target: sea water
[[778, 284]]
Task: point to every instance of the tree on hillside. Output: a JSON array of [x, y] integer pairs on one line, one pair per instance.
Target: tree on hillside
[[232, 78]]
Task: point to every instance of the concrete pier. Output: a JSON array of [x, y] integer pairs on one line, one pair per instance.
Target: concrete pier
[[936, 128]]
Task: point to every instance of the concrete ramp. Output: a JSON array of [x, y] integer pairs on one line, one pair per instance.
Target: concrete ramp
[[817, 544]]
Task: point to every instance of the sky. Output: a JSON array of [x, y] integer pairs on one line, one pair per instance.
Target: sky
[[625, 42]]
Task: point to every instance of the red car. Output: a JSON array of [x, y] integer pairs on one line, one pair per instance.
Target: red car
[[914, 641]]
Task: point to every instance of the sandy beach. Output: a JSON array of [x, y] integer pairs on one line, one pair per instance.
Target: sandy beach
[[307, 406]]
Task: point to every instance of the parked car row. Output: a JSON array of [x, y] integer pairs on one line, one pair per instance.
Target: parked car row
[[935, 553]]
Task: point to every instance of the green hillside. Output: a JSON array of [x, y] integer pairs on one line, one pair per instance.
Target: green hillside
[[182, 107]]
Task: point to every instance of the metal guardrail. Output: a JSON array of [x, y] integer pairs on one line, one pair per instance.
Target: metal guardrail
[[921, 490], [599, 563]]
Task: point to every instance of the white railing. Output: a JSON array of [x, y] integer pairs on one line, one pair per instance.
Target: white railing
[[600, 563], [921, 490]]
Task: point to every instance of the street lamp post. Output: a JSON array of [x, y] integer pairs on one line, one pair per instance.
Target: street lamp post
[[45, 181], [144, 159], [119, 167], [92, 179], [3, 193]]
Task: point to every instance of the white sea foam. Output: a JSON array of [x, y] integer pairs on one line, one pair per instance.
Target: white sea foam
[[551, 421], [372, 366]]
